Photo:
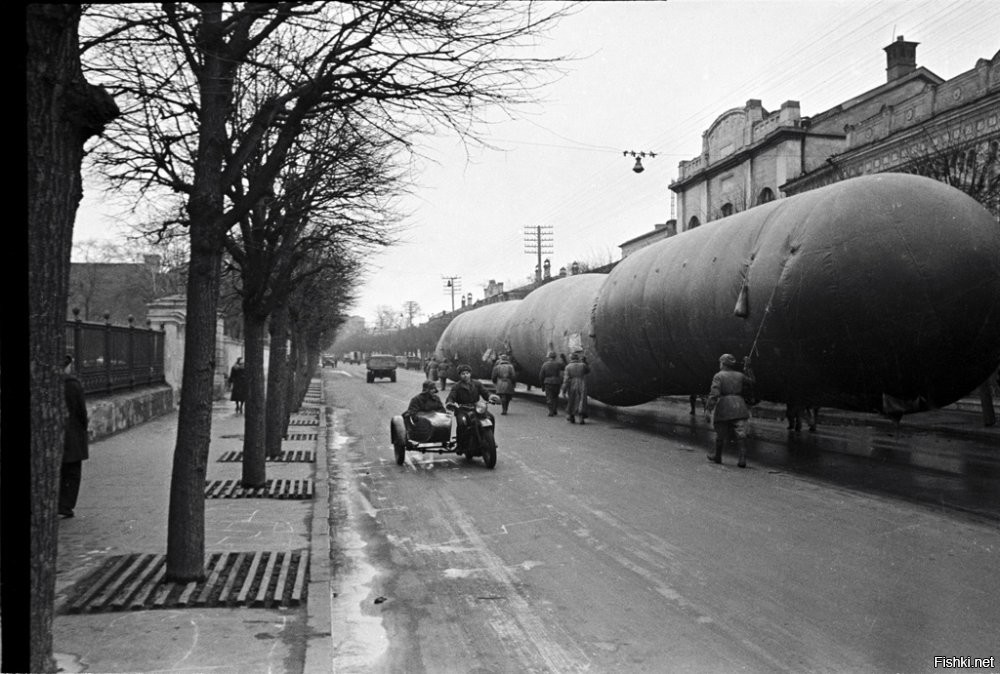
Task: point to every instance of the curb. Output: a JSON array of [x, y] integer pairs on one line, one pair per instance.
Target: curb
[[319, 630]]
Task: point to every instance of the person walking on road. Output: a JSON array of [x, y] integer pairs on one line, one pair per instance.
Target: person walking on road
[[575, 387], [505, 379], [442, 370], [728, 409], [238, 383], [794, 413], [431, 370], [75, 443], [551, 376]]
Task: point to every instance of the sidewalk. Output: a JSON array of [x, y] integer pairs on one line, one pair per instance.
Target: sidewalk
[[122, 510]]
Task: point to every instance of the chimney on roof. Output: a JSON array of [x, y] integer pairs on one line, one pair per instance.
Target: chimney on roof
[[900, 58]]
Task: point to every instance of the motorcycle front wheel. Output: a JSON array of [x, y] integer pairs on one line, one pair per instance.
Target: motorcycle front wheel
[[489, 448]]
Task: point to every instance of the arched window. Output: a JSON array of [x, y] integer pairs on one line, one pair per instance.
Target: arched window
[[727, 210], [766, 195], [693, 222]]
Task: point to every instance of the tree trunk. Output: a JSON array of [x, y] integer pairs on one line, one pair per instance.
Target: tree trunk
[[63, 111], [206, 208], [186, 519], [254, 468], [277, 382]]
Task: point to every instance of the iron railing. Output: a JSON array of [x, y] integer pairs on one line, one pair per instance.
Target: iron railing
[[109, 358]]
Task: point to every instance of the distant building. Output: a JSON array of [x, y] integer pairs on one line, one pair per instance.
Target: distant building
[[660, 231], [751, 156]]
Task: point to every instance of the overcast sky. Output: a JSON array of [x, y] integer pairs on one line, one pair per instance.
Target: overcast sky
[[647, 76]]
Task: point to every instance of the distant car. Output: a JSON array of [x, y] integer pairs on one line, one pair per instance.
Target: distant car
[[414, 363], [381, 366]]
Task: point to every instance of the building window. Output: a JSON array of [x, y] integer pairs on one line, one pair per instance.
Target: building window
[[693, 222], [766, 195], [727, 210]]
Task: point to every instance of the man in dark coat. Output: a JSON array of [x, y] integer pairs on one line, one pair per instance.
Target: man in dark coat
[[551, 377], [238, 381], [75, 450], [728, 408], [466, 391], [425, 401]]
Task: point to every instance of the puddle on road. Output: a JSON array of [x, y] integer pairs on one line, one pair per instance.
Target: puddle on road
[[360, 639]]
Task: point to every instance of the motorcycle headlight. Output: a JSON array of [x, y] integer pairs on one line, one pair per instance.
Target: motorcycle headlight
[[480, 407]]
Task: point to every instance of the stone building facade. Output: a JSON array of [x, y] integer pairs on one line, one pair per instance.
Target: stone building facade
[[751, 156]]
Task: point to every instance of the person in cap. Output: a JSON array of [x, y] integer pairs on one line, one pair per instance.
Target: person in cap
[[727, 408], [575, 387], [504, 376], [466, 391], [551, 376], [425, 401]]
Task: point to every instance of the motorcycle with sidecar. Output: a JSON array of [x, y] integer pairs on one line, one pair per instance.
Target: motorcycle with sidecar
[[432, 432]]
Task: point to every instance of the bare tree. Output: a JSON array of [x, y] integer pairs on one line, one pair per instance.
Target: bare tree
[[387, 318], [972, 166], [316, 310], [411, 310], [332, 191], [177, 65], [63, 112]]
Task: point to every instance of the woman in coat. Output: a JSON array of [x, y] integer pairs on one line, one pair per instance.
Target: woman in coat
[[575, 387], [238, 382], [504, 377]]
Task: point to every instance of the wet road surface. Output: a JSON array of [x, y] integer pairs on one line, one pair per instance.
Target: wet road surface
[[605, 548]]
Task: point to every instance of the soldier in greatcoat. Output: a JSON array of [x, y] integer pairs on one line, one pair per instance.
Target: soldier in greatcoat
[[728, 409], [504, 376], [551, 376], [575, 387]]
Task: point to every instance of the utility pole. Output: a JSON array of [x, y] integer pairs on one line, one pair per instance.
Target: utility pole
[[451, 284], [538, 240]]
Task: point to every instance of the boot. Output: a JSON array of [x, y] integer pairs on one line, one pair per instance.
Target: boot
[[717, 456]]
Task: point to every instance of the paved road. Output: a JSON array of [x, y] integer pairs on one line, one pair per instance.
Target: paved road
[[606, 549]]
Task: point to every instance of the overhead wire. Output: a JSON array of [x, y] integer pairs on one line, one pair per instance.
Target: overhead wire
[[709, 107], [841, 84]]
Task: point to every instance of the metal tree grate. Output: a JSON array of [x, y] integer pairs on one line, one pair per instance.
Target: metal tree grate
[[134, 582], [288, 456], [284, 488]]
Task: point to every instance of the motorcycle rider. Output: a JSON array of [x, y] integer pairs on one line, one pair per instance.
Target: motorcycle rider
[[466, 391]]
